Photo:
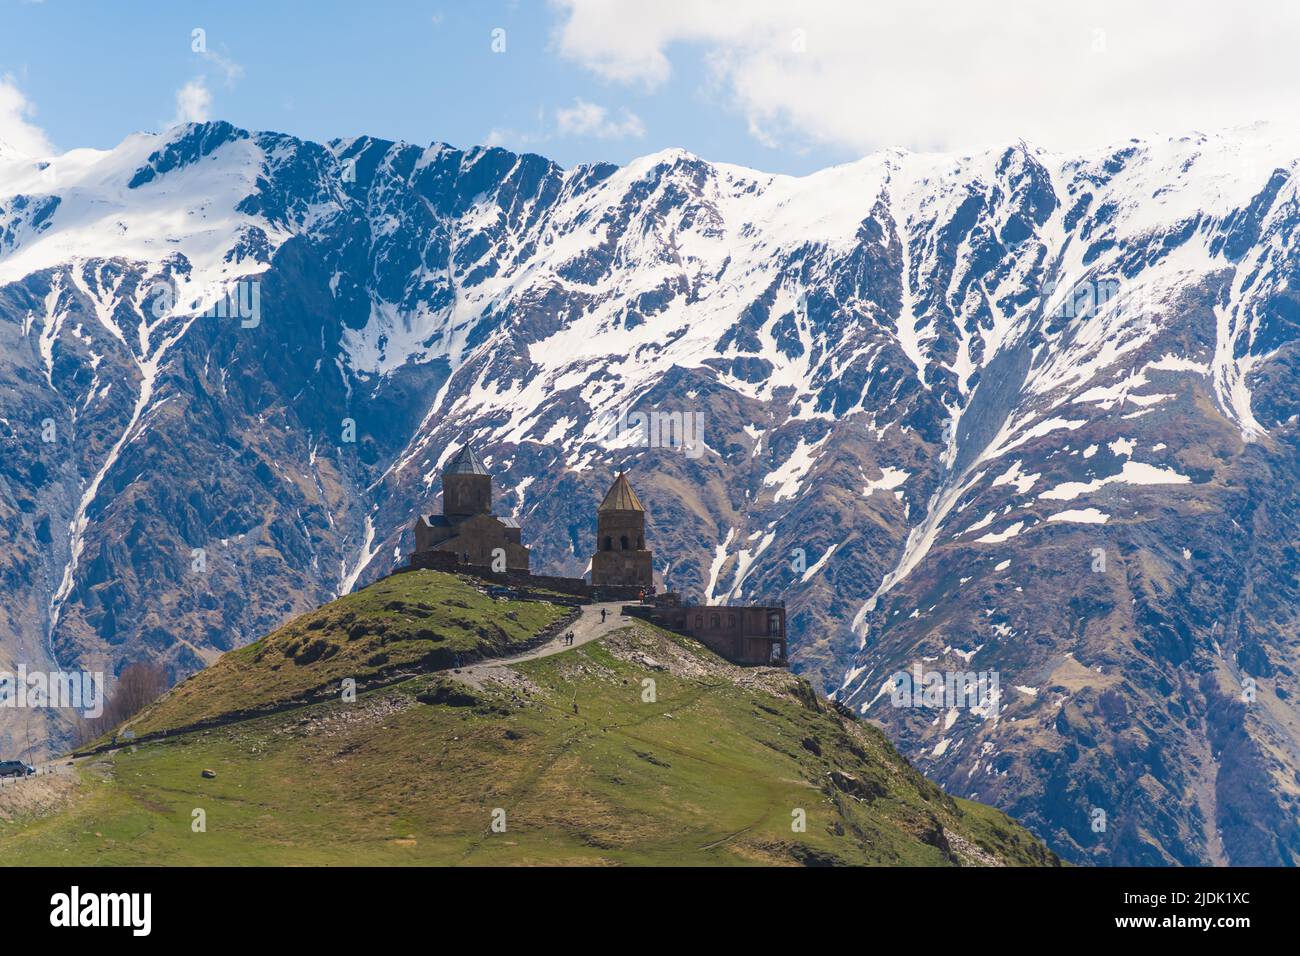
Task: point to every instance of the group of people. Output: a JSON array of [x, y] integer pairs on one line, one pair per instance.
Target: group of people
[[569, 636]]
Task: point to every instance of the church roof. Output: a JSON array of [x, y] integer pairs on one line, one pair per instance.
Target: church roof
[[621, 497], [445, 521], [465, 463]]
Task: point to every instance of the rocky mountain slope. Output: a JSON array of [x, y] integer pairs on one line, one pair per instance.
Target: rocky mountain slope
[[639, 747], [928, 390]]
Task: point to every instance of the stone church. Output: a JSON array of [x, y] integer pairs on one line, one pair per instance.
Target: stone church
[[467, 528], [467, 536], [467, 533]]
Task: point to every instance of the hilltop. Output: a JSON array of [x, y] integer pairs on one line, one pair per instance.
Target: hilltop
[[636, 746], [405, 624]]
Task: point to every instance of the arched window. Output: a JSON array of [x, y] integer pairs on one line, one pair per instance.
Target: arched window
[[623, 542], [713, 621], [731, 620], [609, 543], [640, 542], [699, 621]]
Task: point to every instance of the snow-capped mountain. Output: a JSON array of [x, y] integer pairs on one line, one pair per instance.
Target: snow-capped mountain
[[1011, 412]]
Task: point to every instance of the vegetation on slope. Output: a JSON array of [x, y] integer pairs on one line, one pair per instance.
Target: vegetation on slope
[[582, 760], [408, 623]]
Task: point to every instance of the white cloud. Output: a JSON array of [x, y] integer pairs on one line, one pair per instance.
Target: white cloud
[[513, 139], [589, 119], [956, 73], [193, 102], [17, 131], [194, 99], [580, 119], [228, 68]]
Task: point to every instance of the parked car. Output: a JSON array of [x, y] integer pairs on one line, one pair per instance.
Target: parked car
[[16, 768]]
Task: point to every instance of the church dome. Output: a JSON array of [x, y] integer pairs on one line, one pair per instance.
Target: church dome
[[621, 497], [465, 463]]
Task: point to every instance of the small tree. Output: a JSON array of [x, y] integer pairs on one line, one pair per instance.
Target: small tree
[[138, 686]]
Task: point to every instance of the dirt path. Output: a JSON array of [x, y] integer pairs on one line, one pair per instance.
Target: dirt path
[[586, 628]]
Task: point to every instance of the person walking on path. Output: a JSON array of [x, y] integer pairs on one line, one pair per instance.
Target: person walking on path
[[602, 615]]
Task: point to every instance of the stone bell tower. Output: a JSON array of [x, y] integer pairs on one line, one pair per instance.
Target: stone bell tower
[[621, 558], [466, 486]]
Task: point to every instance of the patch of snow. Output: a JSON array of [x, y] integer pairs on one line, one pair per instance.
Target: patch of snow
[[812, 571], [993, 537], [1013, 476], [789, 477], [890, 478], [719, 558], [1133, 473], [1082, 515]]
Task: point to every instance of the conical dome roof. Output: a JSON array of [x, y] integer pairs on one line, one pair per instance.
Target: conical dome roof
[[465, 463], [621, 497]]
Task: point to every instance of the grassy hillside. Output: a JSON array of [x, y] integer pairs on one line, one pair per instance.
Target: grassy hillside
[[586, 764], [408, 623]]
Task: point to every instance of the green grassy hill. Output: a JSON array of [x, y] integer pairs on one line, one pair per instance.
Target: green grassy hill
[[409, 623], [582, 763]]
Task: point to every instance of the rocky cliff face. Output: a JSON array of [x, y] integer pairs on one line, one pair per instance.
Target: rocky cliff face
[[1012, 413]]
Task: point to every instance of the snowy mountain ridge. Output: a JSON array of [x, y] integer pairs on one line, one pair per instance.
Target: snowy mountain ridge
[[919, 377]]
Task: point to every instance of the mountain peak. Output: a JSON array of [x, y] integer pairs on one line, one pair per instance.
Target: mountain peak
[[941, 379]]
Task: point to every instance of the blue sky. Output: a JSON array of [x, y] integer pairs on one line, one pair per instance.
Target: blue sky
[[423, 72], [780, 85]]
